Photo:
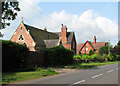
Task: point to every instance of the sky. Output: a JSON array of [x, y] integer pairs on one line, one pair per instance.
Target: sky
[[86, 19]]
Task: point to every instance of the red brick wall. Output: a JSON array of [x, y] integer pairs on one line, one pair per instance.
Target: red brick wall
[[64, 34], [27, 38], [84, 48], [70, 45]]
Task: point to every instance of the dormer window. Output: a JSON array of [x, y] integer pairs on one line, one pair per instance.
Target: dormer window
[[21, 37]]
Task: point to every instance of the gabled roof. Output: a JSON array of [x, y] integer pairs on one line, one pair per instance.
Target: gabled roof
[[86, 43], [69, 36], [51, 43], [95, 46], [39, 35], [98, 45], [79, 45]]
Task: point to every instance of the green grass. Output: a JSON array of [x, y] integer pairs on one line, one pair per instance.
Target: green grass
[[19, 76], [90, 65]]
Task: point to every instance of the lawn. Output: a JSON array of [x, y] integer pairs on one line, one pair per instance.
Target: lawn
[[89, 65], [19, 76]]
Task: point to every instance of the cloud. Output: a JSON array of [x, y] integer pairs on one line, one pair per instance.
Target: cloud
[[85, 25]]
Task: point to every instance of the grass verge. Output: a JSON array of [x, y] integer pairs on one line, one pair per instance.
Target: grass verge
[[20, 76], [89, 65]]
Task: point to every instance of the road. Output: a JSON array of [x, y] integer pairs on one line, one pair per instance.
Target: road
[[107, 74]]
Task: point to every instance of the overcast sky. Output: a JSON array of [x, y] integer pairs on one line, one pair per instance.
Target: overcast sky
[[86, 19]]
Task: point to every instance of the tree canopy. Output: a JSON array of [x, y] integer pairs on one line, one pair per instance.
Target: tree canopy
[[9, 12]]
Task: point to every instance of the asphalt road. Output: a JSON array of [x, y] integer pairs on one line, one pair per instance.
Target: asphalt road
[[100, 75]]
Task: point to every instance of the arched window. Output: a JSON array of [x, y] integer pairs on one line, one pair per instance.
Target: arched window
[[24, 44], [21, 37]]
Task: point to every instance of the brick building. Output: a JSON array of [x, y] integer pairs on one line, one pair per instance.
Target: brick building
[[35, 38], [84, 48]]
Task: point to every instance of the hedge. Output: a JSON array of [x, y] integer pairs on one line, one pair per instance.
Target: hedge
[[14, 56], [57, 56]]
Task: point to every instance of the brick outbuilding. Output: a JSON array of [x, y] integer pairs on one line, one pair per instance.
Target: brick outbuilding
[[84, 48]]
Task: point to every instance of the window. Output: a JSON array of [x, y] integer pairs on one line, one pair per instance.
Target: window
[[48, 37], [86, 48], [24, 44], [73, 44], [21, 38], [21, 28]]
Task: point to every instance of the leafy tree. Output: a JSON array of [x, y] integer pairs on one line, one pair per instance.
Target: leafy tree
[[9, 12], [118, 44], [91, 52], [103, 50], [116, 49]]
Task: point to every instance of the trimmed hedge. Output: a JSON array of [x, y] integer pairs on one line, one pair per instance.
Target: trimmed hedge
[[57, 56], [14, 56]]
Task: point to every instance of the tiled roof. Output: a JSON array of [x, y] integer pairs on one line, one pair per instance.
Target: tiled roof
[[45, 38], [39, 35], [51, 43], [98, 45], [89, 44]]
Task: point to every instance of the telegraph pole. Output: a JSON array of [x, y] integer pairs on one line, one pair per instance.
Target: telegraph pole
[[109, 47]]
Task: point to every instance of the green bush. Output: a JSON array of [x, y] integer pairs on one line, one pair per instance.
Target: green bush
[[91, 52], [14, 56], [57, 56]]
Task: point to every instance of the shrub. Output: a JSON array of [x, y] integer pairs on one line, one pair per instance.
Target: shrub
[[103, 50], [58, 55], [14, 56], [91, 52], [77, 56]]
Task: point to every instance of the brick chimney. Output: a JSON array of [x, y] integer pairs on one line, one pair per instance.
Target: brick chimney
[[94, 39], [45, 29], [64, 34]]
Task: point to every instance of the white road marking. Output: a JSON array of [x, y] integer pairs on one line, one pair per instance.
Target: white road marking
[[97, 75], [79, 82], [110, 71], [117, 68]]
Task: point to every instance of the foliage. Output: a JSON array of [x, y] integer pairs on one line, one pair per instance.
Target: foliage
[[103, 50], [58, 56], [118, 44], [116, 49], [91, 52], [14, 56], [9, 12]]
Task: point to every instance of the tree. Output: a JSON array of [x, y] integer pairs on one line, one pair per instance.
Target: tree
[[116, 49], [118, 44], [103, 50], [91, 52], [9, 12]]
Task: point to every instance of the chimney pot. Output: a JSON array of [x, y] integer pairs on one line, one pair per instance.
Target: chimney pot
[[45, 29], [62, 25], [94, 39]]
